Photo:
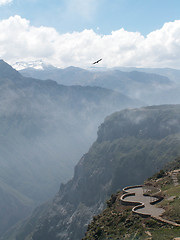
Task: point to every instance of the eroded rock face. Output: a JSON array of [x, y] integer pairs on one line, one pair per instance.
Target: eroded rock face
[[121, 156]]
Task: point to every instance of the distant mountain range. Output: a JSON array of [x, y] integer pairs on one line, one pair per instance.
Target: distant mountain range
[[153, 86], [28, 67], [45, 128], [131, 146]]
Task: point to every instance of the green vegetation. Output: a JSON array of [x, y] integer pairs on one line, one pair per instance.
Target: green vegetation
[[175, 164], [118, 222], [171, 202]]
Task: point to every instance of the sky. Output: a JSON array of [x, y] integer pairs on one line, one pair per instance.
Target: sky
[[124, 33]]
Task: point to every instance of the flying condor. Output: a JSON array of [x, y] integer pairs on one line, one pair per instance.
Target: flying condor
[[97, 61]]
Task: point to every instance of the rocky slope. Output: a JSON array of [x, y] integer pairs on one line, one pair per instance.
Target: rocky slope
[[45, 128], [131, 146]]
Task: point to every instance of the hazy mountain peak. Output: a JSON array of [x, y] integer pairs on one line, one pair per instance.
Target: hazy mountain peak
[[72, 68], [6, 71], [37, 65]]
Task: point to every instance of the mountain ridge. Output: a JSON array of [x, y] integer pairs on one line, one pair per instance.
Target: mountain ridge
[[148, 86]]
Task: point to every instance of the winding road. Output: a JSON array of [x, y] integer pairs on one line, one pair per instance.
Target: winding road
[[146, 202]]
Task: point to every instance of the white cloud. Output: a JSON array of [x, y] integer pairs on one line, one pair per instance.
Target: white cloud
[[4, 2], [20, 41]]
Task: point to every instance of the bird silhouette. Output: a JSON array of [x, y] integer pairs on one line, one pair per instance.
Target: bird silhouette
[[97, 61]]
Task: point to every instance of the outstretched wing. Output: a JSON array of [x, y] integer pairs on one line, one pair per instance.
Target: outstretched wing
[[97, 61]]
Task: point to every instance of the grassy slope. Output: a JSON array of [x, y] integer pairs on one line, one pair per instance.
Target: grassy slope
[[118, 222]]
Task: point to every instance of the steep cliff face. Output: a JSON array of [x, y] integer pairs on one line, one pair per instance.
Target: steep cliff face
[[131, 146], [44, 130]]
